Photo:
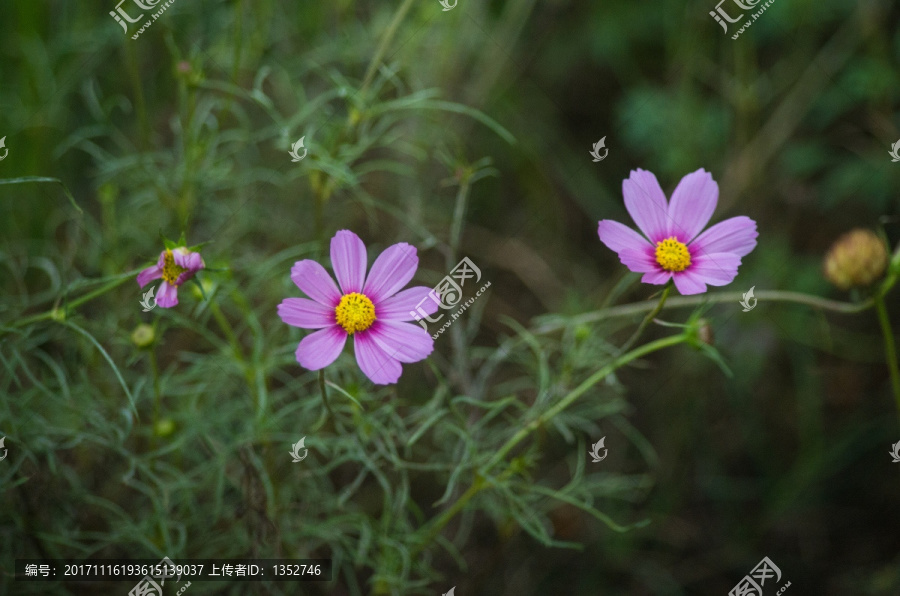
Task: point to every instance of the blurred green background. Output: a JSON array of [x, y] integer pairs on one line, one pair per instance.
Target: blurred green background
[[187, 128]]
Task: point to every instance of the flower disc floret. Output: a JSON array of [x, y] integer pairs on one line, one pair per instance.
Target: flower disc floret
[[171, 270], [672, 255], [355, 312]]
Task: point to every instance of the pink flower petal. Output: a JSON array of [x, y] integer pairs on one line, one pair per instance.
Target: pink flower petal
[[716, 269], [184, 277], [315, 282], [736, 235], [618, 237], [306, 314], [167, 297], [399, 306], [639, 261], [148, 275], [192, 261], [318, 350], [402, 341], [692, 204], [646, 203], [657, 278], [374, 361], [391, 271], [688, 284], [349, 260]]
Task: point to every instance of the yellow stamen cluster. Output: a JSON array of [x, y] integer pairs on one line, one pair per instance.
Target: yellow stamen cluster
[[672, 255], [355, 312], [171, 270]]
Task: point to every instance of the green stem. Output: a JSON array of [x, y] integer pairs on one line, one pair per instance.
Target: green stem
[[385, 42], [890, 349], [457, 336], [459, 213], [573, 395], [226, 328], [154, 367], [650, 316], [238, 354], [626, 310], [439, 522], [78, 301], [324, 392]]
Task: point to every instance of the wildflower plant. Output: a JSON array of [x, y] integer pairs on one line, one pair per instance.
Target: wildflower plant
[[138, 434]]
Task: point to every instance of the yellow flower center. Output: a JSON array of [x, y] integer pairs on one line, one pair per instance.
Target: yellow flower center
[[171, 270], [672, 255], [354, 312]]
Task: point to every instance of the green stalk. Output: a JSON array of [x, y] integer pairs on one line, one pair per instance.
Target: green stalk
[[50, 314], [890, 348], [154, 367], [650, 316], [459, 213], [238, 353], [385, 42], [439, 522], [226, 328], [573, 395], [460, 353], [627, 310], [324, 392]]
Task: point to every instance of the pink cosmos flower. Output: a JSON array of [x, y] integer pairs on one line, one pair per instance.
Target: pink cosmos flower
[[371, 309], [175, 266], [672, 246]]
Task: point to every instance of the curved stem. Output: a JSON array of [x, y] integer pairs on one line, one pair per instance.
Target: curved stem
[[439, 522], [227, 329], [890, 349], [457, 335], [78, 301], [246, 368], [650, 316], [686, 301], [385, 42], [580, 390], [324, 391], [157, 399], [459, 212]]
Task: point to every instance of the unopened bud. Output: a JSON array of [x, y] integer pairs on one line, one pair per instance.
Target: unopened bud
[[143, 335], [858, 258], [164, 427], [705, 332]]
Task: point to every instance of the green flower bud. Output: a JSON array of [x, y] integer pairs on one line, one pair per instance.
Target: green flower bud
[[143, 336], [164, 427]]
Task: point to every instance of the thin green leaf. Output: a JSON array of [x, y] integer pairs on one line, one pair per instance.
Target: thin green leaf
[[26, 179], [108, 359]]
